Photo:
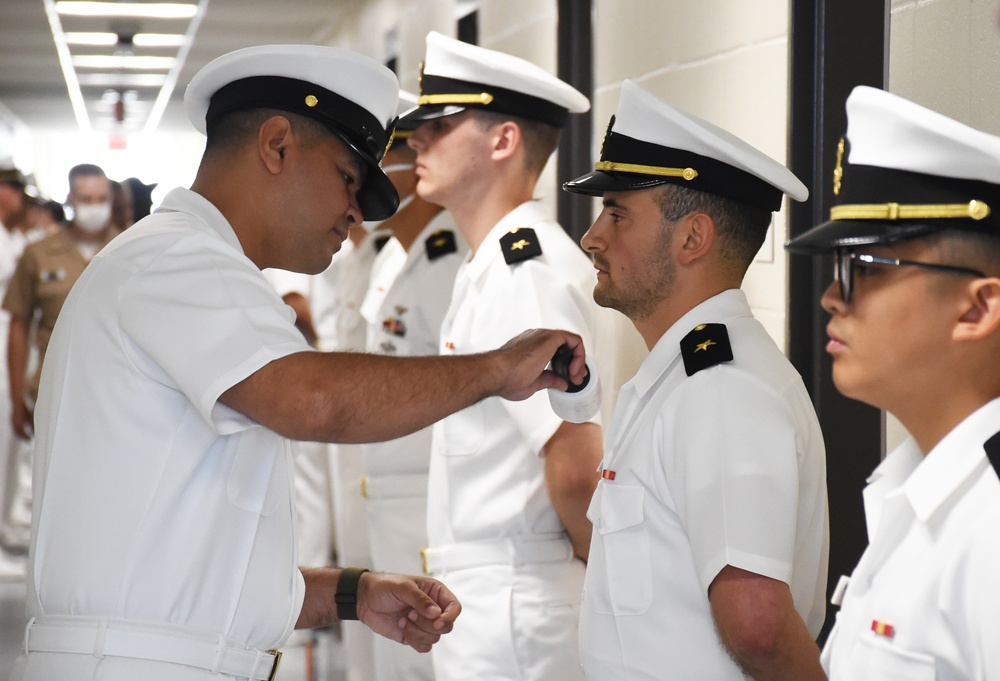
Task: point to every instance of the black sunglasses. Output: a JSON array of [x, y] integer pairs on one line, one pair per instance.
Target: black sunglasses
[[843, 268]]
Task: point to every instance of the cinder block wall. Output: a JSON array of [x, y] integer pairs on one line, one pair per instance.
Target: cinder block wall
[[723, 60], [943, 54]]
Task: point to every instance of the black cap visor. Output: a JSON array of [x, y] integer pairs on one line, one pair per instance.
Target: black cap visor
[[879, 188], [658, 165], [412, 119], [447, 96], [597, 182], [377, 198], [837, 234]]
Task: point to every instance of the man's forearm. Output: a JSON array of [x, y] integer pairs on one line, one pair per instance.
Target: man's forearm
[[571, 459], [319, 608], [342, 397], [17, 359], [758, 625]]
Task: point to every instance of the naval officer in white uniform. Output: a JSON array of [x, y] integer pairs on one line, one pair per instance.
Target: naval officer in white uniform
[[709, 555], [915, 330], [509, 482], [163, 542]]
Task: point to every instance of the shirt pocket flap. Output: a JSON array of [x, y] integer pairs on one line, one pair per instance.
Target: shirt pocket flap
[[621, 507]]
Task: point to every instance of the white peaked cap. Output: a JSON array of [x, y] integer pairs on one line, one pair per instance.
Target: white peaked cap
[[354, 96], [906, 171], [649, 142], [457, 76]]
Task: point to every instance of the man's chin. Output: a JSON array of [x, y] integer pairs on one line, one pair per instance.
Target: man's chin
[[604, 299]]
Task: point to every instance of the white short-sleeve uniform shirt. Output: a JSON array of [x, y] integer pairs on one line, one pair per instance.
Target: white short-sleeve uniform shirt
[[723, 467], [487, 479], [154, 501], [922, 603], [486, 470]]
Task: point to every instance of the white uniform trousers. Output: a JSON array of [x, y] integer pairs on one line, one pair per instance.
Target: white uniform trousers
[[528, 614]]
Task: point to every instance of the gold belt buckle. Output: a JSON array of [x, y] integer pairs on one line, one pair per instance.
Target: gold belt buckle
[[274, 665], [423, 559]]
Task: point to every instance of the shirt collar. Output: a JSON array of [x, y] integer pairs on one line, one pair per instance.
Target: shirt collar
[[719, 308], [527, 214], [954, 460], [186, 201]]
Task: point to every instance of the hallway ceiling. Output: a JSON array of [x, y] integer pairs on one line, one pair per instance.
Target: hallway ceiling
[[119, 99]]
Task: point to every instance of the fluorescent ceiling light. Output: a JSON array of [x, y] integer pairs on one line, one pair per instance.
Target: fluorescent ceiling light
[[157, 10], [115, 61], [153, 80], [139, 39], [158, 39], [101, 39]]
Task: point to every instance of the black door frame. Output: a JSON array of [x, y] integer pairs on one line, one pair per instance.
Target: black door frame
[[834, 46], [575, 48]]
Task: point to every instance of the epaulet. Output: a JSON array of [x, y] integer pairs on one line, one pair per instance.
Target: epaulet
[[520, 244], [441, 242], [706, 346], [992, 447], [381, 241]]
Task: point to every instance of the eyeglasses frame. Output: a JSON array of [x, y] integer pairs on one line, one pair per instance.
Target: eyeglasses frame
[[843, 268]]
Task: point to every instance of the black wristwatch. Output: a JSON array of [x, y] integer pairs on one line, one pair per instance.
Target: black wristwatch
[[347, 593]]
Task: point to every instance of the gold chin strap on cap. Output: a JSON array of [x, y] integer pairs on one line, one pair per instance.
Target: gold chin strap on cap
[[976, 210], [612, 166], [483, 98]]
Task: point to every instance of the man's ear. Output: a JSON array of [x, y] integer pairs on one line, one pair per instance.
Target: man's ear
[[696, 236], [506, 138], [981, 314], [273, 136]]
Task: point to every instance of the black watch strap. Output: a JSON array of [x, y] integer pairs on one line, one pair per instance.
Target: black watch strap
[[347, 593]]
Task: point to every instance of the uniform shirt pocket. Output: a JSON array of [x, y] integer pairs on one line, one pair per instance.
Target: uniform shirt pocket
[[877, 658], [619, 519]]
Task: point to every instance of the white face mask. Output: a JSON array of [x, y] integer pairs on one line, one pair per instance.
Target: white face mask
[[371, 225], [92, 217], [397, 167]]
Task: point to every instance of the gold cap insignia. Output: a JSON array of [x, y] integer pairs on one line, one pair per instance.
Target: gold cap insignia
[[838, 172]]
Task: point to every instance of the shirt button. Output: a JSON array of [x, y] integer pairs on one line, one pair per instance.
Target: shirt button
[[600, 522]]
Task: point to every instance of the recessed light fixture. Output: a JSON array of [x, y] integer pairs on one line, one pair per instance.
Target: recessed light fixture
[[147, 10]]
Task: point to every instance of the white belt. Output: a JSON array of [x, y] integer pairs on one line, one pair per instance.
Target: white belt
[[538, 548], [157, 642], [403, 486]]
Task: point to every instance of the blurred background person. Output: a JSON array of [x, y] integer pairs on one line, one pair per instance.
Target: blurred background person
[[409, 293], [336, 297], [122, 207], [46, 216], [15, 204], [142, 197], [37, 290]]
